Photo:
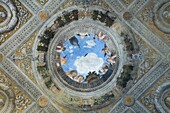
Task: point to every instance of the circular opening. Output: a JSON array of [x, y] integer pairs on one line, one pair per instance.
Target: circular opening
[[85, 58]]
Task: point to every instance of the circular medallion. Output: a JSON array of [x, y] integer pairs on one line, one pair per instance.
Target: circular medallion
[[3, 101], [3, 13], [127, 15], [162, 16], [162, 98], [6, 99], [8, 16], [43, 101], [43, 15], [167, 100], [129, 100]]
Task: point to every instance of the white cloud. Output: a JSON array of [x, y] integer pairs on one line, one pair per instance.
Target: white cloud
[[78, 57], [91, 62], [71, 47], [87, 46], [70, 69], [91, 43], [71, 51]]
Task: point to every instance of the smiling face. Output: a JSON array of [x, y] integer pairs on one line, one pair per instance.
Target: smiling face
[[84, 55]]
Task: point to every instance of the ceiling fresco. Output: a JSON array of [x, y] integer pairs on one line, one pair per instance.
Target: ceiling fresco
[[84, 56]]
